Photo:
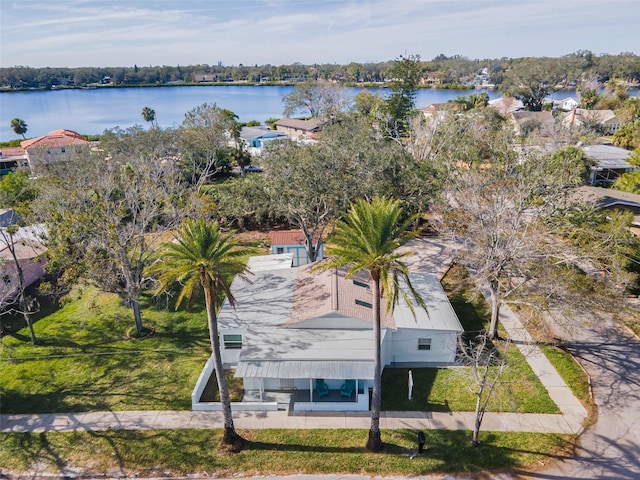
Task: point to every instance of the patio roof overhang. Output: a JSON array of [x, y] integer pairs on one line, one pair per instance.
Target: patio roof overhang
[[326, 369]]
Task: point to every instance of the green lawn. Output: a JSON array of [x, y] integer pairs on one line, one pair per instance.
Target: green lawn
[[85, 361], [451, 389], [575, 378], [274, 452]]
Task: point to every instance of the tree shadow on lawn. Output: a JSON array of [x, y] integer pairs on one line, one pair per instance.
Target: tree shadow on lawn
[[37, 449], [182, 451], [454, 453], [395, 390], [108, 382]]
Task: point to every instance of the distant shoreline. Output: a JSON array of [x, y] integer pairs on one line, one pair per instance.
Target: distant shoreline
[[375, 85]]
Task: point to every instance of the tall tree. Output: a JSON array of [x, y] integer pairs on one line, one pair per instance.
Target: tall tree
[[19, 126], [488, 208], [400, 105], [201, 257], [319, 99], [531, 80], [367, 239], [313, 184], [107, 212], [149, 115], [205, 136]]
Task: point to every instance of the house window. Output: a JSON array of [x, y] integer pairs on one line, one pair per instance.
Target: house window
[[361, 284], [232, 341], [362, 303], [280, 250], [63, 150], [424, 344]]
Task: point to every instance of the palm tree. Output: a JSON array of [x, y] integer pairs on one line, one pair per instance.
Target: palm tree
[[149, 115], [367, 238], [19, 127], [202, 257]]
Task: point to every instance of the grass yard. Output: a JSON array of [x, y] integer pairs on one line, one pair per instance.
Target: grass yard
[[451, 389], [568, 368], [272, 452], [84, 360]]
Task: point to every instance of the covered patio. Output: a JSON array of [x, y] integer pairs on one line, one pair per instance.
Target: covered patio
[[308, 385]]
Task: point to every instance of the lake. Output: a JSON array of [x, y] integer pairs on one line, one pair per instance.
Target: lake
[[95, 110]]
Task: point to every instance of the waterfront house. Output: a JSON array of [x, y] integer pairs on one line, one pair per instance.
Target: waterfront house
[[566, 104], [506, 105], [56, 146], [256, 138], [299, 129], [309, 335]]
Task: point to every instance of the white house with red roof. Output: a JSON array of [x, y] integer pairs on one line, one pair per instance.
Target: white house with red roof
[[56, 146], [309, 334]]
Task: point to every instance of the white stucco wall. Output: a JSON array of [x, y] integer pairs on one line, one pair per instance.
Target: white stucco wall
[[402, 346]]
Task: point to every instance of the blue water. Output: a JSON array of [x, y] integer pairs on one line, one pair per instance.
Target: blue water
[[93, 111]]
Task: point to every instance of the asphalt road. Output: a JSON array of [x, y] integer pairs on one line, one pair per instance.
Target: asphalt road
[[610, 448]]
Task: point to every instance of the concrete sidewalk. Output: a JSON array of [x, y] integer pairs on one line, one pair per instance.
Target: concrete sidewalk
[[163, 420]]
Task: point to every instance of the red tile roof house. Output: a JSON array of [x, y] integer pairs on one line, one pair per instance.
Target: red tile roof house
[[56, 146], [304, 338], [292, 241]]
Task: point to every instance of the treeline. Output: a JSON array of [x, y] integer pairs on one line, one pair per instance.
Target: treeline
[[577, 67]]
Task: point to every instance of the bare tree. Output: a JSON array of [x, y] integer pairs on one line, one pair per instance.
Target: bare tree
[[107, 211], [488, 365], [319, 99]]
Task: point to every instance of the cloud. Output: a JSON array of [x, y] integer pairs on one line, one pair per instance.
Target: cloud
[[119, 32]]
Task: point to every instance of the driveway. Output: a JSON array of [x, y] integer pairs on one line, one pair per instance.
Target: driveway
[[610, 448]]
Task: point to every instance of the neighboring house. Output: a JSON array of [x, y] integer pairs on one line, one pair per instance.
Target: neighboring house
[[8, 216], [11, 158], [205, 77], [256, 138], [542, 123], [310, 334], [607, 198], [610, 163], [292, 241], [606, 120], [506, 105], [435, 111], [566, 104], [295, 128], [433, 78], [30, 254], [56, 146]]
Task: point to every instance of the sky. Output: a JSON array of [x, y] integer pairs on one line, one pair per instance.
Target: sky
[[100, 33]]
